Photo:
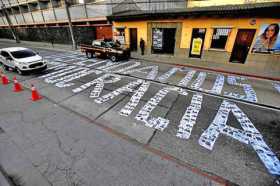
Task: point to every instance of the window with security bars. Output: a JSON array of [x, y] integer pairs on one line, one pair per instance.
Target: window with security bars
[[219, 38]]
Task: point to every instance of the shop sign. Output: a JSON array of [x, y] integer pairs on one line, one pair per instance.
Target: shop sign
[[119, 34]]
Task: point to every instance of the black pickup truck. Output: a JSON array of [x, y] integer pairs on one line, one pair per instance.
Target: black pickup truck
[[105, 49]]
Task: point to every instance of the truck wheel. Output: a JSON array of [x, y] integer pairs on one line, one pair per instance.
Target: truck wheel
[[87, 54], [113, 58]]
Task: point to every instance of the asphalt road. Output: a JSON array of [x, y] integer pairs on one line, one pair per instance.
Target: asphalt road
[[229, 131]]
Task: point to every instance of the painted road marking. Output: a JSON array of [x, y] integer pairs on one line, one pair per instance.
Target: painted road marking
[[277, 86]]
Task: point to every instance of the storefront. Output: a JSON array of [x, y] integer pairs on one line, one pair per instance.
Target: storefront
[[217, 37]]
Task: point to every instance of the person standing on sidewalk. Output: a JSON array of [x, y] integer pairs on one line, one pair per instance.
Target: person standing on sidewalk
[[142, 46]]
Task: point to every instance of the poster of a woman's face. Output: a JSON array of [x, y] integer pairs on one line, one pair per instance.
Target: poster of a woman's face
[[268, 40]]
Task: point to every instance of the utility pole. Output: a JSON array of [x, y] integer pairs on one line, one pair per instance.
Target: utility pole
[[11, 27], [66, 2]]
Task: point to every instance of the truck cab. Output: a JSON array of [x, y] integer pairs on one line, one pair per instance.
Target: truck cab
[[106, 49]]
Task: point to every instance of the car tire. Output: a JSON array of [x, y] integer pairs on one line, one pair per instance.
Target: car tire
[[113, 58], [88, 54], [19, 71], [6, 68]]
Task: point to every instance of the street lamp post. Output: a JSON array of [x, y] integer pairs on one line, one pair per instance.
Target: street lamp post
[[66, 2]]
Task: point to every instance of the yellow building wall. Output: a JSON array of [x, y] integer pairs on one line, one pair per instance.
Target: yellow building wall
[[208, 23], [141, 29], [195, 3]]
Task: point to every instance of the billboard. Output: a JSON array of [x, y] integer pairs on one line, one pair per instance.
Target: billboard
[[119, 35], [268, 40]]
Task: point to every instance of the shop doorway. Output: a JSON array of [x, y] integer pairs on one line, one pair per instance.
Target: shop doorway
[[163, 40], [198, 36], [242, 45], [133, 39], [169, 40]]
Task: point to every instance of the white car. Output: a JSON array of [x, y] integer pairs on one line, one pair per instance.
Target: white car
[[21, 59]]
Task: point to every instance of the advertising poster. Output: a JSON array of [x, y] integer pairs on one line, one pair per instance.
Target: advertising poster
[[157, 39], [268, 40], [198, 36], [196, 46], [119, 34]]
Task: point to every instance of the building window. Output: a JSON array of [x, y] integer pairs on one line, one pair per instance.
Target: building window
[[219, 38]]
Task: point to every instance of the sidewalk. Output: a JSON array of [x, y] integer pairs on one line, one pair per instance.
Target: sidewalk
[[43, 45], [236, 69]]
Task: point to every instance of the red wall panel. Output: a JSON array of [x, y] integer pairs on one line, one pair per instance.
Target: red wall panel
[[104, 32]]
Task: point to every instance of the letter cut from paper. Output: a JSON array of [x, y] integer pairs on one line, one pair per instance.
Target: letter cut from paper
[[250, 94], [127, 88], [217, 87], [98, 84], [135, 99], [60, 69], [249, 135], [199, 81], [56, 78], [164, 77], [189, 119], [63, 82], [150, 72], [185, 81], [277, 86], [128, 65], [144, 113]]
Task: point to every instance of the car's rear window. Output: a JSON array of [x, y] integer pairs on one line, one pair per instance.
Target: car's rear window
[[23, 54]]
